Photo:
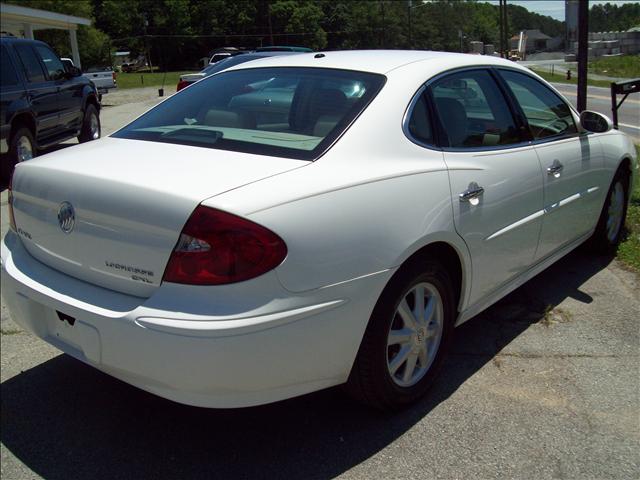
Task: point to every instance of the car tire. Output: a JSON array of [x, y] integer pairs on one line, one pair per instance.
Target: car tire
[[608, 232], [91, 128], [380, 377]]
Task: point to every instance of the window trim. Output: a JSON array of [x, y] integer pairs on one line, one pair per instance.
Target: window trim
[[438, 129], [516, 112], [552, 138]]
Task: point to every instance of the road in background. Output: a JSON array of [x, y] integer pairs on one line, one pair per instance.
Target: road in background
[[599, 100]]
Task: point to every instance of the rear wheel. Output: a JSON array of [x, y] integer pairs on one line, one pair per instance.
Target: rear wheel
[[608, 232], [406, 340], [91, 128]]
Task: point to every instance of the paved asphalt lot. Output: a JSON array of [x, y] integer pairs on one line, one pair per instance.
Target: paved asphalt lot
[[545, 384]]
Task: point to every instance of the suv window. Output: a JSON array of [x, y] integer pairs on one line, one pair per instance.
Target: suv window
[[547, 114], [7, 72], [472, 110], [30, 62], [52, 63]]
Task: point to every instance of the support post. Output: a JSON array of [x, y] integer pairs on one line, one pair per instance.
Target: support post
[[583, 53], [75, 53], [28, 31], [614, 106]]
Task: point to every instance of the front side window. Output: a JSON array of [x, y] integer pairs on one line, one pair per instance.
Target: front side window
[[287, 112], [472, 110], [52, 63], [31, 64], [547, 114]]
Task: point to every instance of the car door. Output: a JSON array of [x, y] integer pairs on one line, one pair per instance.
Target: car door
[[571, 162], [42, 93], [69, 91], [494, 174]]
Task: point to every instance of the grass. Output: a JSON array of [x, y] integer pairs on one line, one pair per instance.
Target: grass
[[629, 249], [155, 79], [561, 78], [626, 66]]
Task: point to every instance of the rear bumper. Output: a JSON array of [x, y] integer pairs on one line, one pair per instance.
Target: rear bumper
[[208, 350]]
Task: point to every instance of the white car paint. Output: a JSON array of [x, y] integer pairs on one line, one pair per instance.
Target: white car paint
[[350, 219]]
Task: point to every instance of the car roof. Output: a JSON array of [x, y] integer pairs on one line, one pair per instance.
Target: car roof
[[378, 61], [20, 40]]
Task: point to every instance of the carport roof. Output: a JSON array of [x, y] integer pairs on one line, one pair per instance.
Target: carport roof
[[17, 16]]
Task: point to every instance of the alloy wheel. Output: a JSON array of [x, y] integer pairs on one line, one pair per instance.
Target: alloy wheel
[[415, 334], [615, 212]]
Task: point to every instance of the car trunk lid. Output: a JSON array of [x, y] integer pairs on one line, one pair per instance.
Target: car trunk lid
[[129, 200]]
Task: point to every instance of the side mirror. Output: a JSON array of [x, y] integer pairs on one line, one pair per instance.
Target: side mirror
[[595, 122]]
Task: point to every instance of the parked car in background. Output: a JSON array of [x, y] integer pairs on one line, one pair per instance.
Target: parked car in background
[[103, 79], [284, 48], [42, 102], [308, 221], [189, 78]]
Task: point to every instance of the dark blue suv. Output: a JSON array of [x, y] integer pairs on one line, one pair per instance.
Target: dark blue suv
[[42, 103]]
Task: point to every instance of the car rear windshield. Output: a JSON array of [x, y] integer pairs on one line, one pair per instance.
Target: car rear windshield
[[285, 112]]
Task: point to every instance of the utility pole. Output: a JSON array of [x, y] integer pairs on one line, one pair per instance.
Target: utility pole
[[583, 53], [506, 30], [269, 22], [409, 6], [501, 22]]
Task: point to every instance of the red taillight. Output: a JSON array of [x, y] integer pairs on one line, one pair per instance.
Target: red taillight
[[113, 76], [12, 220], [181, 85], [216, 247]]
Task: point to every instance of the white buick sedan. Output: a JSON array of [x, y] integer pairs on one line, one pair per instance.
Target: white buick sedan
[[306, 221]]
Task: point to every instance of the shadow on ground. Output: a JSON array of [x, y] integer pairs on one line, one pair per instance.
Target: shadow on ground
[[66, 420]]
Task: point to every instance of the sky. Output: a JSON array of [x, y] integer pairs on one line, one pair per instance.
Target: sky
[[554, 8]]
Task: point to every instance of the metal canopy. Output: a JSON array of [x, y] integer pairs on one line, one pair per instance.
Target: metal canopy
[[23, 21]]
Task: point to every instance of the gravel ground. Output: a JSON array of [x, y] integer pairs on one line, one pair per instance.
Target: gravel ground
[[133, 95], [545, 384]]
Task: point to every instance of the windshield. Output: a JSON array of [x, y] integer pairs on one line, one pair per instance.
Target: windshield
[[286, 112]]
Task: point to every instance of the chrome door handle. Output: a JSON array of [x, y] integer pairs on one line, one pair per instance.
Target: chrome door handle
[[472, 193], [555, 169]]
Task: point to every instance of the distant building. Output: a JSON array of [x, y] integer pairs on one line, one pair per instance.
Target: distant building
[[536, 41]]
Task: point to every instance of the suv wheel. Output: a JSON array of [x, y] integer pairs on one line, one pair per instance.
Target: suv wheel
[[23, 146], [90, 125]]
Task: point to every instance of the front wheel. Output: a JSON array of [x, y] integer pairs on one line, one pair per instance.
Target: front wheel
[[91, 128], [22, 146], [408, 335], [608, 232]]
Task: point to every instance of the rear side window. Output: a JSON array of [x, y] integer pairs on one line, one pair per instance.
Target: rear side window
[[32, 68], [472, 110], [288, 112], [419, 123], [7, 72], [52, 63], [547, 114]]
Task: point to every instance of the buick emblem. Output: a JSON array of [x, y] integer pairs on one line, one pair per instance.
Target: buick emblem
[[66, 217]]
